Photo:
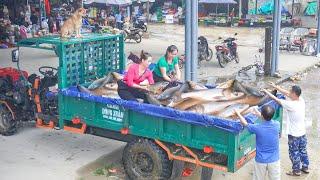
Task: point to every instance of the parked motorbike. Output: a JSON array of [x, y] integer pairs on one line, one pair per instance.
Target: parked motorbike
[[227, 51], [140, 24], [132, 33], [205, 53]]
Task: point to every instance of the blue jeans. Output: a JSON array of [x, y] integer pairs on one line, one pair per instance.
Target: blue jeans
[[298, 152]]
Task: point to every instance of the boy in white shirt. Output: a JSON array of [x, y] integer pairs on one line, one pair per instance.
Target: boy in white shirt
[[297, 140]]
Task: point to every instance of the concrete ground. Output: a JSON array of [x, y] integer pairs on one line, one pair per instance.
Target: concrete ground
[[51, 154]]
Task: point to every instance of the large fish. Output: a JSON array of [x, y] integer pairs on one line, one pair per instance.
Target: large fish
[[158, 87], [176, 92], [101, 91], [110, 78]]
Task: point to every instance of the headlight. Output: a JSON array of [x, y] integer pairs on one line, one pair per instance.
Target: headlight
[[145, 24]]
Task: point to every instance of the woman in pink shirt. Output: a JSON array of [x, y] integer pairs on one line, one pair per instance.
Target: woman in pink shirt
[[135, 83]]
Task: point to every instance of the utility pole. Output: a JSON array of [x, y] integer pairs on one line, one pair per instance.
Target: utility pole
[[194, 39], [188, 33], [276, 36], [318, 31]]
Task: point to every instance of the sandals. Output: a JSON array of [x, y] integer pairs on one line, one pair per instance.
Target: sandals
[[292, 173], [305, 170]]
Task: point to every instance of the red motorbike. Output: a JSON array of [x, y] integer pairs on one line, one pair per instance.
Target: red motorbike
[[227, 51]]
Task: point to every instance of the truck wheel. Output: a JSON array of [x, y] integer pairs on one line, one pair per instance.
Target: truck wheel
[[7, 123], [143, 159]]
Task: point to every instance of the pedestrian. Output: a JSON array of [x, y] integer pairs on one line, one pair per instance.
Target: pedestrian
[[297, 140], [267, 160], [119, 20], [50, 24], [135, 83]]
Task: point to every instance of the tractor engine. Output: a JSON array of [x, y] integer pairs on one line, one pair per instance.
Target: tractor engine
[[14, 91]]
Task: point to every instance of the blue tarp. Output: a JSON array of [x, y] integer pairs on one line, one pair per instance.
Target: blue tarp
[[233, 126]]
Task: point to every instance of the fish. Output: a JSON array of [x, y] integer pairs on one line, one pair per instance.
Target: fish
[[177, 91], [228, 112], [101, 91], [248, 90], [110, 78], [158, 87], [168, 93], [152, 100], [210, 108]]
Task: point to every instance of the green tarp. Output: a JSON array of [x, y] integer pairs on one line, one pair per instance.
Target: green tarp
[[311, 9]]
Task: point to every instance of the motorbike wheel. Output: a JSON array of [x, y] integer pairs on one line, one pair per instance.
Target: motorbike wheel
[[144, 28], [180, 63], [209, 57], [221, 60], [137, 38], [237, 58], [301, 48]]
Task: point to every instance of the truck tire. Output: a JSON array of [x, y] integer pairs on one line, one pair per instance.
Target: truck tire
[[8, 126], [143, 159]]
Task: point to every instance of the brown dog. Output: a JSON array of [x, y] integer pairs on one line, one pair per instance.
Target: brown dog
[[73, 24]]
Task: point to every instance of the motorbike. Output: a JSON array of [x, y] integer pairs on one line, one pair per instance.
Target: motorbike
[[132, 33], [140, 24], [227, 51], [205, 53]]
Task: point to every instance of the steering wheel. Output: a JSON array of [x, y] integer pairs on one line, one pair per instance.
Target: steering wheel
[[48, 71]]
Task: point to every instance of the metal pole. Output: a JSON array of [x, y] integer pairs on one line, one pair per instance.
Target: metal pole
[[194, 40], [256, 8], [148, 11], [240, 8], [292, 8], [318, 32], [187, 27], [276, 30], [278, 34]]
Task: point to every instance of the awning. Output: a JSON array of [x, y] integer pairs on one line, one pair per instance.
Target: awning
[[218, 1], [144, 1], [109, 2]]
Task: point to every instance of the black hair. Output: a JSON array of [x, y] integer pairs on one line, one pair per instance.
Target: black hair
[[144, 56], [267, 112], [170, 49], [296, 90]]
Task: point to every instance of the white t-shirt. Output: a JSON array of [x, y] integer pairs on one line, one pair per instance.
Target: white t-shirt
[[295, 116]]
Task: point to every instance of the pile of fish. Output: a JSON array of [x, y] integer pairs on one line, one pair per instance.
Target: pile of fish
[[189, 96]]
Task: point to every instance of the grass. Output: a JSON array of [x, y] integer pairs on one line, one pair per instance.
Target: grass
[[103, 171], [99, 172]]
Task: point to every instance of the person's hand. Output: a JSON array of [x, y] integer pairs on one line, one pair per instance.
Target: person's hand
[[272, 84], [255, 111], [236, 111], [145, 88]]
